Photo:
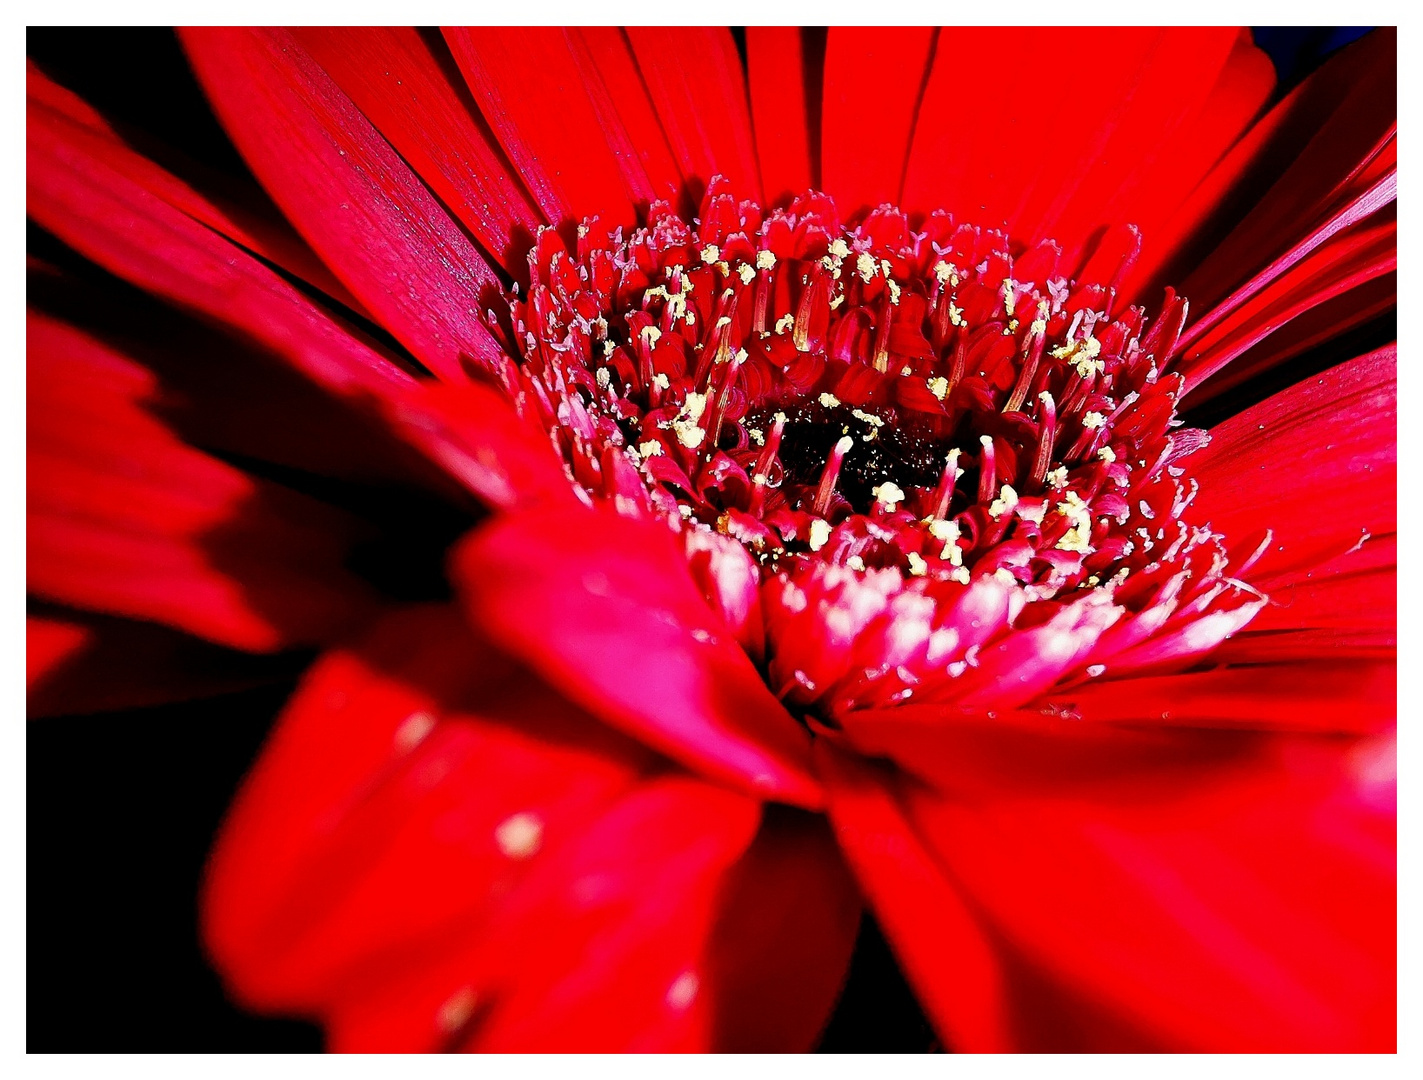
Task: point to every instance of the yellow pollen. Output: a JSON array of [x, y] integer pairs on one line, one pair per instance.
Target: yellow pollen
[[711, 253], [917, 566], [829, 400], [1007, 499], [939, 387], [784, 323], [854, 562], [819, 533], [865, 267], [648, 449], [839, 248], [765, 260], [1093, 420], [889, 495], [747, 272], [1107, 454]]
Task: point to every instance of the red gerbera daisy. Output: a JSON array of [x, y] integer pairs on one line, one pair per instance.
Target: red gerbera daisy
[[828, 523]]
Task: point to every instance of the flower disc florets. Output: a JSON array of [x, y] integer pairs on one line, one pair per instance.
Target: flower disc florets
[[950, 471]]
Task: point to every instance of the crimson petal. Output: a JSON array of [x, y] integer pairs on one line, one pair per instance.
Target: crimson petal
[[605, 608], [356, 202]]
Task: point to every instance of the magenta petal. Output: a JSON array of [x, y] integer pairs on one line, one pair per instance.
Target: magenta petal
[[606, 609]]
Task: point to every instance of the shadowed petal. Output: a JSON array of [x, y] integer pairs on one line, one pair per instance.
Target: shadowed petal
[[356, 202]]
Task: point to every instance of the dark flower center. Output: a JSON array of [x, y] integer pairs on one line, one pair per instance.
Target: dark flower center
[[936, 403]]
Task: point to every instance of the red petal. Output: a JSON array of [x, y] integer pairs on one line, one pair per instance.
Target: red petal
[[528, 86], [1284, 174], [1334, 432], [605, 60], [1321, 695], [83, 663], [352, 197], [251, 221], [696, 82], [874, 77], [615, 621], [781, 948], [777, 73], [436, 851], [1216, 890], [49, 643], [940, 942], [1177, 75], [125, 518], [1236, 99], [75, 192], [396, 81]]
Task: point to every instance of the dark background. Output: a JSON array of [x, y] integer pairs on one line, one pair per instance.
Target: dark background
[[122, 806]]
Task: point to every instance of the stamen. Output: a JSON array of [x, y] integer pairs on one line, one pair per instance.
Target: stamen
[[987, 477], [831, 475], [1047, 430], [944, 496]]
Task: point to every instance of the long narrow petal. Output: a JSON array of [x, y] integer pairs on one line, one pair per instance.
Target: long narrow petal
[[357, 203], [874, 77], [125, 518], [1270, 465], [75, 191], [397, 82], [696, 82], [609, 69], [605, 608], [528, 86], [241, 213]]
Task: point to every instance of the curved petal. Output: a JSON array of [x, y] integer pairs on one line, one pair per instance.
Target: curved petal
[[940, 942], [528, 86], [434, 851], [1334, 122], [124, 517], [1268, 465], [694, 77], [1215, 889], [352, 197], [614, 620], [240, 212], [874, 77], [395, 80], [74, 190]]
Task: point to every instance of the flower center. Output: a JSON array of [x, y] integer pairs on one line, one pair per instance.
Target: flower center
[[937, 405]]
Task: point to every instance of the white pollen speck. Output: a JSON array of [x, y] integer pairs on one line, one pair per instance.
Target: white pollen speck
[[1094, 420], [684, 990], [917, 566], [939, 387], [1094, 670], [854, 562], [865, 266], [520, 836], [661, 381], [648, 449], [711, 253], [455, 1012], [889, 494], [819, 533], [765, 260], [603, 377], [830, 401], [413, 730], [747, 272]]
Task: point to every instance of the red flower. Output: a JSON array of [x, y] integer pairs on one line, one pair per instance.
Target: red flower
[[822, 550]]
